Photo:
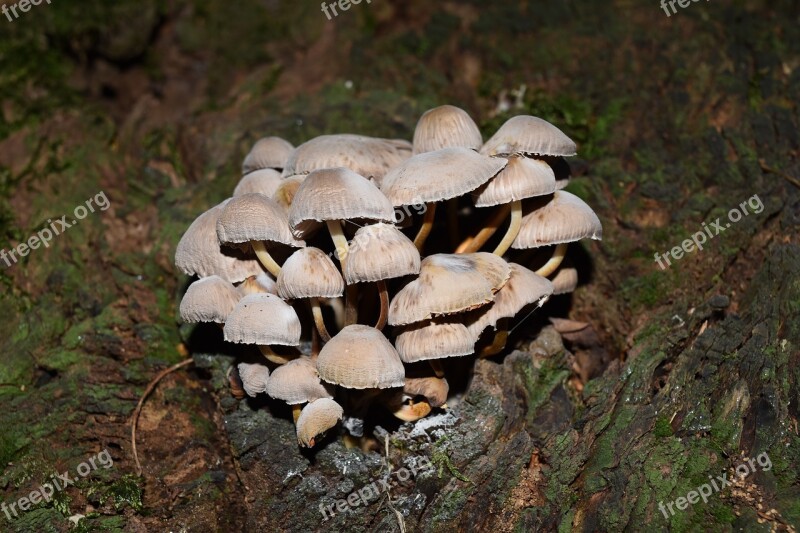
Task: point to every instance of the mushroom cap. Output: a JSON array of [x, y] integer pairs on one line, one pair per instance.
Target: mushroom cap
[[255, 378], [297, 382], [284, 194], [336, 194], [446, 126], [439, 175], [269, 152], [309, 273], [524, 287], [368, 156], [316, 418], [522, 178], [263, 319], [257, 284], [200, 253], [360, 357], [529, 135], [565, 280], [434, 340], [565, 218], [209, 299], [380, 251], [265, 181], [254, 217], [433, 388], [448, 284]]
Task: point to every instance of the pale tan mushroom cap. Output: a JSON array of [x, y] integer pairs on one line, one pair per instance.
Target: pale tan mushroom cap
[[284, 194], [529, 135], [433, 388], [269, 152], [360, 357], [565, 280], [264, 181], [309, 273], [522, 178], [200, 253], [447, 284], [523, 288], [565, 218], [380, 251], [439, 175], [446, 126], [209, 299], [368, 156], [297, 382], [255, 378], [257, 284], [336, 194], [263, 319], [255, 217], [432, 340], [316, 418]]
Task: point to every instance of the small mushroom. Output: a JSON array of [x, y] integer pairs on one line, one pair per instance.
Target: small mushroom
[[297, 382], [255, 378], [269, 152], [446, 126], [284, 194], [264, 181], [263, 319], [315, 419], [406, 404], [209, 299], [360, 357], [565, 280], [527, 135], [257, 284], [433, 340]]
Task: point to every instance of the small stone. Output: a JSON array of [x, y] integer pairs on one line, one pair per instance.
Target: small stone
[[719, 301]]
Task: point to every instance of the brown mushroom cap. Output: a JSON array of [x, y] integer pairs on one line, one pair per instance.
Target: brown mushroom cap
[[209, 299], [368, 156], [380, 251], [565, 218], [446, 126], [439, 175], [433, 388], [257, 284], [434, 340], [309, 273], [522, 178], [263, 319], [269, 152], [200, 253], [360, 357], [297, 382], [529, 135], [264, 181], [524, 287], [254, 217], [316, 418], [255, 378], [565, 280], [447, 284], [336, 194]]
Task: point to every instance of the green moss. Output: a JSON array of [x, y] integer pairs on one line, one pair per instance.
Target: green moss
[[662, 428]]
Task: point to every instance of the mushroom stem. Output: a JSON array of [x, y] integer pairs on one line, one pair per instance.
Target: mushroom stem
[[427, 225], [554, 262], [314, 343], [513, 229], [318, 320], [263, 256], [296, 409], [474, 244], [342, 249], [436, 365], [337, 307], [273, 357], [383, 317]]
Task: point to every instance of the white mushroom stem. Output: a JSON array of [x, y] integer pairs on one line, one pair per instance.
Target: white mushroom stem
[[342, 249], [427, 225], [474, 244], [384, 294], [513, 229], [318, 320], [555, 261], [263, 256], [437, 368], [274, 357]]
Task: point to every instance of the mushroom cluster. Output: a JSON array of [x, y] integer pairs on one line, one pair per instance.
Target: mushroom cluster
[[310, 261]]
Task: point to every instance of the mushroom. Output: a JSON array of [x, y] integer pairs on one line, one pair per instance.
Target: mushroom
[[435, 176], [284, 194], [565, 280], [269, 152], [446, 126], [200, 253], [297, 382], [255, 219], [379, 252], [433, 340], [257, 284], [315, 419], [309, 273], [568, 219], [209, 299], [265, 320], [265, 181], [527, 135], [404, 404], [255, 378]]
